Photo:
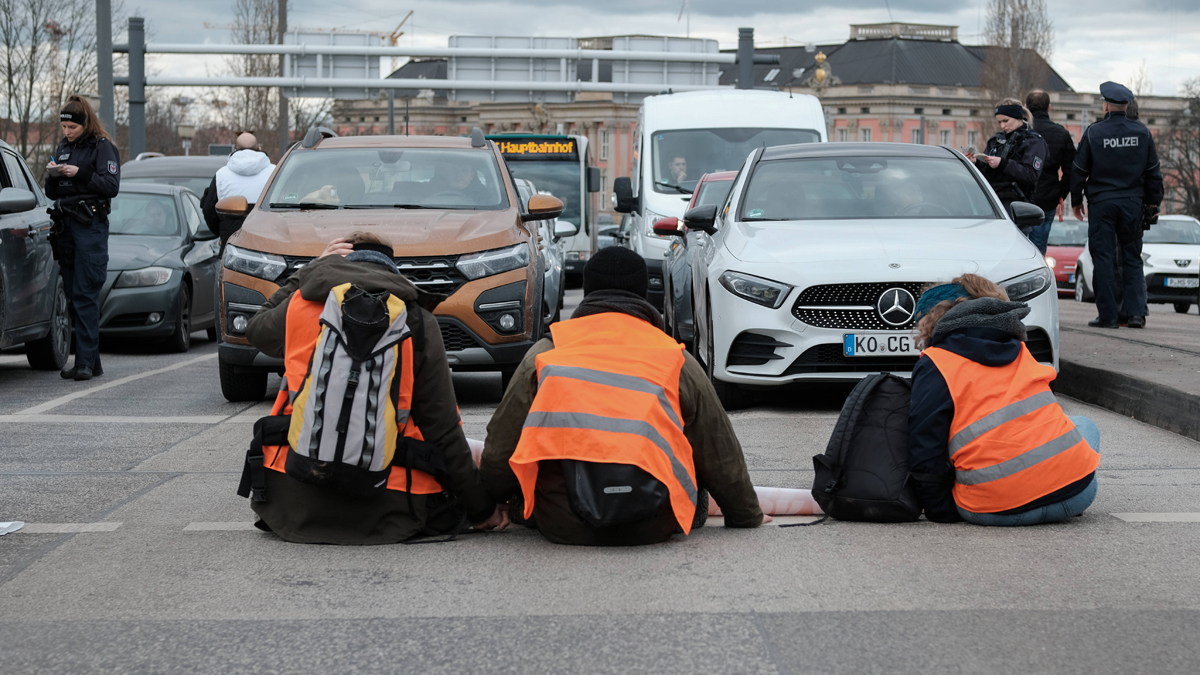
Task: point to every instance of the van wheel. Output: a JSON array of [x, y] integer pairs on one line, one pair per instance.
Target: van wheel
[[237, 387], [1182, 307], [732, 396], [181, 339], [51, 352]]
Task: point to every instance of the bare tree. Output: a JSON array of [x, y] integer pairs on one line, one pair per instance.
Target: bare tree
[[1179, 152], [255, 22], [1140, 82], [1020, 40]]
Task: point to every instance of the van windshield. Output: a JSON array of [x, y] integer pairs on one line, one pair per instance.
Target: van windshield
[[431, 178], [1173, 231], [681, 157]]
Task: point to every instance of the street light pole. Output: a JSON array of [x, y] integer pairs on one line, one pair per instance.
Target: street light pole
[[104, 65], [137, 86], [285, 138]]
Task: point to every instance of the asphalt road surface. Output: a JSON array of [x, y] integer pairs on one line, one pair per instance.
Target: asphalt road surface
[[139, 558]]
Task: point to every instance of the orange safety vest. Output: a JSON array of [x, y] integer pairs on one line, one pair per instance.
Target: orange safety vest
[[1010, 442], [609, 393], [303, 330]]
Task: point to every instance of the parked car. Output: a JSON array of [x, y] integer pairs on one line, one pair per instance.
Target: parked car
[[813, 267], [551, 251], [33, 302], [712, 189], [1066, 242], [1171, 263], [454, 218], [162, 266], [194, 173]]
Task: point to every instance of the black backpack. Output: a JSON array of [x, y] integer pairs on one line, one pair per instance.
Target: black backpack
[[863, 474]]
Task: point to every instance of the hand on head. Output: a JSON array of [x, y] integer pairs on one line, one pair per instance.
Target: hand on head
[[337, 247]]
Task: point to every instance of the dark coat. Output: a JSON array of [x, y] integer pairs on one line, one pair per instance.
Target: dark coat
[[299, 512], [1117, 159], [99, 165], [1022, 153], [224, 226], [1060, 154]]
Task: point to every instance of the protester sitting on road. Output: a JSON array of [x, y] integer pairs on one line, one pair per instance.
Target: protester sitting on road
[[988, 441], [289, 326], [610, 433], [1012, 161]]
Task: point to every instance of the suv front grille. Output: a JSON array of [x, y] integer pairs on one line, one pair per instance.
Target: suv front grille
[[456, 339], [830, 358], [849, 306], [433, 274]]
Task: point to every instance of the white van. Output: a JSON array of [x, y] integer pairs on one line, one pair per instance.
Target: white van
[[681, 137]]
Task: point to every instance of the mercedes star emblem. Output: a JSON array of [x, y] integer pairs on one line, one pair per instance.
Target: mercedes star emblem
[[896, 306]]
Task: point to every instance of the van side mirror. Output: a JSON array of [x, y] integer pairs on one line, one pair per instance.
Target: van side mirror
[[593, 179], [1027, 215], [16, 200], [565, 228], [668, 227], [233, 206], [542, 207], [701, 218], [623, 199]]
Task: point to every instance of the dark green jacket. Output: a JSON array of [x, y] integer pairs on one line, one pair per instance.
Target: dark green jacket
[[716, 453], [300, 512]]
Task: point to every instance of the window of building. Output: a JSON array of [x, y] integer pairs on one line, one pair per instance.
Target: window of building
[[841, 111], [1070, 116], [771, 75], [603, 182], [604, 145], [843, 135], [865, 111], [972, 139], [463, 119], [944, 137], [945, 111], [362, 119], [376, 118], [915, 135], [918, 111], [974, 113], [1152, 120], [864, 135]]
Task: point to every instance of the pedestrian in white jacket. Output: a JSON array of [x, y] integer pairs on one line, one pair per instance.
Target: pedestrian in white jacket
[[245, 174]]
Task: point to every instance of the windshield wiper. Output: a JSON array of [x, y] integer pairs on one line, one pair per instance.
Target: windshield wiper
[[680, 188], [302, 205]]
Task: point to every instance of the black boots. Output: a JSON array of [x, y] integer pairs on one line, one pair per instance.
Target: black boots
[[80, 374], [1097, 323]]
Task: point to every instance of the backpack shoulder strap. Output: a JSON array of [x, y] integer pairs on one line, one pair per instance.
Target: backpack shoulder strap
[[419, 333], [852, 411]]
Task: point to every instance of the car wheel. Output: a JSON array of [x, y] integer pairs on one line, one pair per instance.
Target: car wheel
[[1082, 292], [181, 339], [51, 352], [732, 396], [237, 387], [1182, 307]]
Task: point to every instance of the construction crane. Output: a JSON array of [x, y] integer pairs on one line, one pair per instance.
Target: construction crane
[[394, 37]]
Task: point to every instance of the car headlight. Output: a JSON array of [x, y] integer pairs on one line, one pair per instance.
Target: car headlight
[[755, 289], [651, 219], [147, 276], [1051, 263], [255, 263], [1029, 285], [485, 264]]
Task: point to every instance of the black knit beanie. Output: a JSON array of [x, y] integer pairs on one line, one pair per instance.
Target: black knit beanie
[[617, 269]]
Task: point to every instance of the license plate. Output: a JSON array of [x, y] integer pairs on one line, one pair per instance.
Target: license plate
[[879, 344], [1173, 282], [1070, 278]]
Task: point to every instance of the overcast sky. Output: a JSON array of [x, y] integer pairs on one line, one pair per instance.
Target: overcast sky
[[1096, 40]]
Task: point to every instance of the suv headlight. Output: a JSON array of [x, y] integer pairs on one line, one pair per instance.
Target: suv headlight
[[1029, 285], [485, 264], [255, 263], [755, 289], [147, 276]]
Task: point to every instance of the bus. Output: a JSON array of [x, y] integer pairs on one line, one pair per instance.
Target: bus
[[559, 165]]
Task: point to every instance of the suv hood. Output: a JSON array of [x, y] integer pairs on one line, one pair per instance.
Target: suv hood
[[131, 252], [411, 232]]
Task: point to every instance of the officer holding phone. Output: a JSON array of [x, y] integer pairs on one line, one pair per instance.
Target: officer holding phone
[[82, 178]]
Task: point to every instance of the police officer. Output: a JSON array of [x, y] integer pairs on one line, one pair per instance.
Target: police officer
[[82, 178], [1013, 159], [1117, 166]]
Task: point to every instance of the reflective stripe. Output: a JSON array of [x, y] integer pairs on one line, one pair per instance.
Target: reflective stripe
[[1000, 417], [401, 419], [1021, 462], [618, 380], [576, 420]]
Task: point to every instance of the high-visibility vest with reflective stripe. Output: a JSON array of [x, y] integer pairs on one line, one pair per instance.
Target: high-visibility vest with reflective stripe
[[303, 329], [609, 393], [1010, 442]]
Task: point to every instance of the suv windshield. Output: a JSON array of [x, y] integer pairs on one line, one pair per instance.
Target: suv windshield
[[431, 178], [1173, 232], [829, 188], [147, 215], [714, 192], [682, 157], [1068, 233]]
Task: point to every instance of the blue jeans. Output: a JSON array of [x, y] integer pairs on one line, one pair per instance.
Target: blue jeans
[[1041, 234], [1050, 513]]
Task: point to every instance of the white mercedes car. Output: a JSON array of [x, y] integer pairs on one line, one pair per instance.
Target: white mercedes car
[[1170, 259], [812, 267]]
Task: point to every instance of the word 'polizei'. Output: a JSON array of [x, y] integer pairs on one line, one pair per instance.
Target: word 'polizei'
[[1126, 142]]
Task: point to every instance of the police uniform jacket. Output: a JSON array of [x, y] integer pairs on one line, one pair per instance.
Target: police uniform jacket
[[1116, 160], [1060, 154], [1021, 154], [99, 165]]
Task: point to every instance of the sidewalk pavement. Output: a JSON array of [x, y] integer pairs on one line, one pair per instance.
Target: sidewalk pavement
[[1152, 374]]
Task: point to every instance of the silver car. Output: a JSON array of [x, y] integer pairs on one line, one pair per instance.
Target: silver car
[[550, 255]]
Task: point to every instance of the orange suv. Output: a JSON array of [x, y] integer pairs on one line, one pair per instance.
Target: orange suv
[[448, 206]]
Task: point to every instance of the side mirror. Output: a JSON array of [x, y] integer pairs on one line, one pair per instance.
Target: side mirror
[[16, 200], [203, 233], [593, 179], [233, 206], [623, 199], [667, 227], [564, 228], [542, 207], [1027, 215], [701, 218]]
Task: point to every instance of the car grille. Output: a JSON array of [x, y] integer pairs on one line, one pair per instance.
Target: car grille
[[456, 339], [849, 306], [831, 359], [433, 274], [752, 349], [128, 320], [1039, 345], [1156, 285], [1065, 285]]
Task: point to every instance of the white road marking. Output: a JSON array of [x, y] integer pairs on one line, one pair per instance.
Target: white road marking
[[110, 419], [12, 358], [218, 527], [1158, 517], [68, 528], [63, 400]]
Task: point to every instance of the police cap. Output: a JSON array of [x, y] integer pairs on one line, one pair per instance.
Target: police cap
[[1115, 93]]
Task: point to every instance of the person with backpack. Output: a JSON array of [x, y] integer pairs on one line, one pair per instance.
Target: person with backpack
[[610, 433], [364, 444], [988, 441], [1012, 161]]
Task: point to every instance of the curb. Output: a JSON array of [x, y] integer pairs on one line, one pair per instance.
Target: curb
[[1156, 404]]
